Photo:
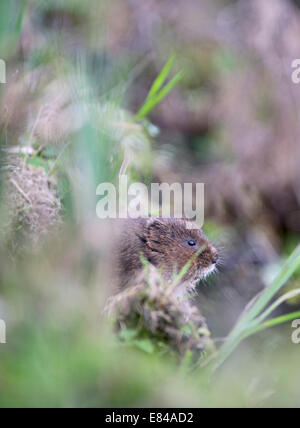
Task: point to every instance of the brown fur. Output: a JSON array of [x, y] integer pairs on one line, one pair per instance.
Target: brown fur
[[163, 242]]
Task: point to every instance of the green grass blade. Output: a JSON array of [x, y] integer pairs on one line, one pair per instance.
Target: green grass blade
[[282, 299], [160, 80], [152, 102], [272, 323], [245, 324], [20, 17], [289, 268]]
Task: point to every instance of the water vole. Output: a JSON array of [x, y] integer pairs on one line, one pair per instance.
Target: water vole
[[169, 245]]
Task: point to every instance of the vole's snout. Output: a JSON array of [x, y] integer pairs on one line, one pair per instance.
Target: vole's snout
[[209, 256], [215, 257]]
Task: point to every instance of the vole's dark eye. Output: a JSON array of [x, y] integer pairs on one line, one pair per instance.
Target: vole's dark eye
[[191, 243]]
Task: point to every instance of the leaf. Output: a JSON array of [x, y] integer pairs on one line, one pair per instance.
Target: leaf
[[145, 345], [186, 329], [38, 162], [128, 334]]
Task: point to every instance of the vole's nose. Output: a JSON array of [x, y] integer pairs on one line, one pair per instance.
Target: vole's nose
[[215, 258]]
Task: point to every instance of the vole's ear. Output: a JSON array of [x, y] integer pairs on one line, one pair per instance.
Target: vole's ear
[[155, 227], [151, 221], [154, 223], [151, 225]]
